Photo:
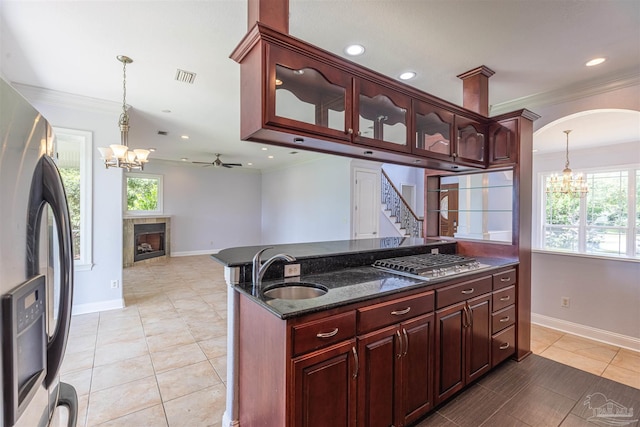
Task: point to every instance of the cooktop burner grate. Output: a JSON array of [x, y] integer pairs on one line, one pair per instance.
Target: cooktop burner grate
[[429, 265]]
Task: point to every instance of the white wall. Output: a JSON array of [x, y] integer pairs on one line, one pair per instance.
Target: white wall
[[605, 293], [92, 289], [210, 208], [307, 202]]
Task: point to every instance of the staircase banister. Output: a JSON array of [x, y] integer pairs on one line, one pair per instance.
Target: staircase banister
[[400, 195]]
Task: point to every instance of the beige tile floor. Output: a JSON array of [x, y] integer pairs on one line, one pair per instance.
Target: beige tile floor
[[161, 361], [615, 363]]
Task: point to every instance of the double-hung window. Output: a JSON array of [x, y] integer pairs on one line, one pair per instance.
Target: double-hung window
[[604, 222]]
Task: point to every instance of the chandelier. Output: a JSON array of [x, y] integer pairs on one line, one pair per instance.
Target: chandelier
[[119, 155], [567, 183]]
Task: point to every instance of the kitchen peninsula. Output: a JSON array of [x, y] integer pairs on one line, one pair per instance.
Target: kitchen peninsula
[[379, 347]]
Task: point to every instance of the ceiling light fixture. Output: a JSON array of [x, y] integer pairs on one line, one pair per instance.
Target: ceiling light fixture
[[119, 155], [568, 183], [595, 61], [407, 75], [354, 50], [184, 136]]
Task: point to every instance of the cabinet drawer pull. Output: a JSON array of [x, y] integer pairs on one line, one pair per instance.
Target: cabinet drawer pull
[[327, 334], [504, 346], [505, 279], [406, 342], [504, 319], [355, 358], [401, 312], [399, 355], [468, 291], [507, 298]]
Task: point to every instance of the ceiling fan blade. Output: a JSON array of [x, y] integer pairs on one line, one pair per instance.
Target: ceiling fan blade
[[231, 164], [224, 165], [203, 163]]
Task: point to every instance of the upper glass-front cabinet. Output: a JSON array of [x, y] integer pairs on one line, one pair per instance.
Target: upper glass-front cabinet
[[307, 95], [434, 127], [471, 145], [381, 117]]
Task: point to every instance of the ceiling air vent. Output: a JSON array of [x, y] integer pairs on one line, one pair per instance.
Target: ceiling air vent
[[185, 76], [163, 132]]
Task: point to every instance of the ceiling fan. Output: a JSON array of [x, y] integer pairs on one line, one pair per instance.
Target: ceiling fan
[[217, 163]]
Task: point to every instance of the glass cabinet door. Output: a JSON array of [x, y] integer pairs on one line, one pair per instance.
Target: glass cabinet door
[[381, 117], [471, 145], [434, 127], [306, 95]]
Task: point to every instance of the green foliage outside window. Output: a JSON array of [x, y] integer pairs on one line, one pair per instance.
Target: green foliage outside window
[[142, 194], [71, 181]]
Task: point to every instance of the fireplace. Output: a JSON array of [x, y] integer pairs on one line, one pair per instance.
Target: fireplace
[[148, 240]]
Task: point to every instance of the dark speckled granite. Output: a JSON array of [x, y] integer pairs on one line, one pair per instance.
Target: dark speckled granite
[[321, 257], [350, 286]]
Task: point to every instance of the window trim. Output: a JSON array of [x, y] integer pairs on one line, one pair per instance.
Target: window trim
[[631, 228], [159, 211], [85, 139]]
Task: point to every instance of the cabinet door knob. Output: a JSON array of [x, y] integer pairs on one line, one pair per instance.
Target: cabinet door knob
[[350, 131], [401, 312], [327, 334]]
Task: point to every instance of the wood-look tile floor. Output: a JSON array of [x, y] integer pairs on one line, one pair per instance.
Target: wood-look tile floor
[[161, 361]]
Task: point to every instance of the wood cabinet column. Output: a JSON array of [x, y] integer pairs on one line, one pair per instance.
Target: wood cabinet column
[[475, 89], [274, 13]]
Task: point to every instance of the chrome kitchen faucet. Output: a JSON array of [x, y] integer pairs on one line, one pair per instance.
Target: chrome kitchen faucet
[[260, 269]]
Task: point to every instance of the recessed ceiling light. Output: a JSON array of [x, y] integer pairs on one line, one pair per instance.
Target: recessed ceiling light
[[264, 148], [249, 164], [595, 61], [184, 136], [271, 157], [152, 149], [184, 159], [407, 75], [354, 50]]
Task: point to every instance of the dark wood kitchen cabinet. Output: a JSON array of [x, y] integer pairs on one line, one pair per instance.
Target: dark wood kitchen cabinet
[[463, 335], [470, 145], [434, 127], [395, 385], [503, 317], [502, 143], [324, 386], [380, 116]]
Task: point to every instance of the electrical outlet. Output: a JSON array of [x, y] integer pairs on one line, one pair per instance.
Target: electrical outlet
[[291, 270], [564, 302], [115, 284], [435, 251]]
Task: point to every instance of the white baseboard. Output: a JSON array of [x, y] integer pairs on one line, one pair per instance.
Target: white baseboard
[[192, 253], [94, 307], [595, 334]]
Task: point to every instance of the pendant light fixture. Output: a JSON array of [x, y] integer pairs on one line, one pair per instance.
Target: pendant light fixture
[[119, 155], [567, 183]]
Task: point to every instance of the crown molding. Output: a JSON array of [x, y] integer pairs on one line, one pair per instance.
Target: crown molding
[[568, 93], [37, 95]]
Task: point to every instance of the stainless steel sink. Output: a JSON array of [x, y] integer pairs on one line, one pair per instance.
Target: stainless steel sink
[[299, 290]]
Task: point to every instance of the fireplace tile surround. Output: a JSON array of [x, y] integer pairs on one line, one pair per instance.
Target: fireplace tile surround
[[129, 247]]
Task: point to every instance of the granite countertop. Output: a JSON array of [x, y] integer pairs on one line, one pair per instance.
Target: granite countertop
[[240, 256], [352, 285]]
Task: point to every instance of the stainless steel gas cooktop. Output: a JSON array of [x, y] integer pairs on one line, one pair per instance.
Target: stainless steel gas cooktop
[[430, 266]]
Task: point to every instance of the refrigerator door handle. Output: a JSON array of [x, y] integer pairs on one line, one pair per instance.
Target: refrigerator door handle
[[47, 188], [68, 397]]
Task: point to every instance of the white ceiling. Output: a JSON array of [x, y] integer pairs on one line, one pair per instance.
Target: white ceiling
[[535, 47]]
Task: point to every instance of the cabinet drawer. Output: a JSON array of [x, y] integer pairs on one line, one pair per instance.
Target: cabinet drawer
[[503, 318], [504, 279], [504, 298], [398, 310], [503, 345], [320, 333], [462, 291]]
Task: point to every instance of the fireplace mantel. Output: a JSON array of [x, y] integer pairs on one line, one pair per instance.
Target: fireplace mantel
[[128, 248]]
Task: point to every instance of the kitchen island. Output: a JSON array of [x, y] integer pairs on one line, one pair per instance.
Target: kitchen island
[[377, 349]]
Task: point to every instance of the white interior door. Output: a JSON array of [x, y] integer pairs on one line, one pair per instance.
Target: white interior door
[[366, 204]]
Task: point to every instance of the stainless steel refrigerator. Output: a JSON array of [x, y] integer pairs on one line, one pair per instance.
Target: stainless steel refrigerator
[[36, 271]]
